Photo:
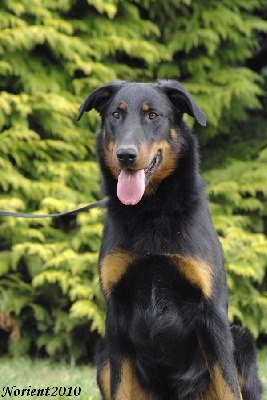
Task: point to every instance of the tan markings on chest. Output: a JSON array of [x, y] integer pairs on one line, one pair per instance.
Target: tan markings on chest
[[196, 271], [113, 267]]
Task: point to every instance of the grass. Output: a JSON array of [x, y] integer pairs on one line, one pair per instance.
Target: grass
[[24, 373]]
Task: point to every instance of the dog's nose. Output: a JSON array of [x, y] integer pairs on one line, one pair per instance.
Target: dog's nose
[[127, 156]]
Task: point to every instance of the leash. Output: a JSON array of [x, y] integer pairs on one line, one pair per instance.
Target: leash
[[97, 204]]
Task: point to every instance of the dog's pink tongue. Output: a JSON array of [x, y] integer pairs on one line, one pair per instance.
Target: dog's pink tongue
[[131, 186]]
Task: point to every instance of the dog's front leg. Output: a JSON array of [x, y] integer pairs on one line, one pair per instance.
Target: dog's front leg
[[116, 376], [117, 381], [216, 343], [115, 356]]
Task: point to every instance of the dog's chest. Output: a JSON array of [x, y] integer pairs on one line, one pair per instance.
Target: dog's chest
[[122, 271], [159, 305]]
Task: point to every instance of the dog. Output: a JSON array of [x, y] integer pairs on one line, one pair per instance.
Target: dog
[[161, 265]]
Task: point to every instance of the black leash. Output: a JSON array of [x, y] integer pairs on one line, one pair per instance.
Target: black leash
[[97, 204]]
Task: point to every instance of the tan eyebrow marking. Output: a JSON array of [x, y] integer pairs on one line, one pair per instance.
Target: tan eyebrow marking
[[145, 107]]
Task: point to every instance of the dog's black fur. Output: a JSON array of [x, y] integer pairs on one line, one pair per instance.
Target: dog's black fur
[[161, 267]]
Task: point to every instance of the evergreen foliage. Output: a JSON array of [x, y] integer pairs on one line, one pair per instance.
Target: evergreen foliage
[[209, 42], [238, 193], [52, 54]]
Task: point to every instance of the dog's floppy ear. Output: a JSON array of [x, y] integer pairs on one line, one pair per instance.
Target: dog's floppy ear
[[179, 95], [99, 97]]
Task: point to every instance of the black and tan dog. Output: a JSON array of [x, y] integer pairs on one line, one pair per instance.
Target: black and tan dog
[[161, 267]]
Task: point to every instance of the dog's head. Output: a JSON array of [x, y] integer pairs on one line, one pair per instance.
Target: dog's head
[[140, 132]]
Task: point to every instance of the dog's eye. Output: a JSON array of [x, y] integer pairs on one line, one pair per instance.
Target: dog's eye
[[116, 115], [153, 115]]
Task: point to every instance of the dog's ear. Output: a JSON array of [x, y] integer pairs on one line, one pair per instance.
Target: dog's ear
[[100, 97], [181, 99]]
